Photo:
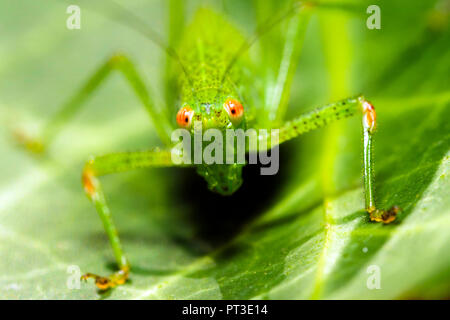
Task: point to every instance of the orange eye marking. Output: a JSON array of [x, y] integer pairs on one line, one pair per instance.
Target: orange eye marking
[[184, 116], [234, 108]]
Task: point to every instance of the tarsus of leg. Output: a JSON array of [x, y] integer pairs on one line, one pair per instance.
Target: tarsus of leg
[[70, 108], [322, 116], [113, 163]]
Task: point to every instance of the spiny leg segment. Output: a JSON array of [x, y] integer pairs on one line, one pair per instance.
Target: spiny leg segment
[[113, 163], [369, 124], [332, 112]]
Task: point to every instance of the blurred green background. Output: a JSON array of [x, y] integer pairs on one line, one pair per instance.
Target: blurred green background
[[308, 238]]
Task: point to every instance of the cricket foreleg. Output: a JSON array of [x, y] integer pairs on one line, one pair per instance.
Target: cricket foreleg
[[369, 124], [113, 163], [335, 111], [69, 110]]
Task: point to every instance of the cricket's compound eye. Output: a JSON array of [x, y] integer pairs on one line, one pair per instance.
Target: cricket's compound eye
[[235, 109], [184, 117]]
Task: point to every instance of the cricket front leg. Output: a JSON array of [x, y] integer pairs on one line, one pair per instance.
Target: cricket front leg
[[332, 112], [369, 124], [114, 163]]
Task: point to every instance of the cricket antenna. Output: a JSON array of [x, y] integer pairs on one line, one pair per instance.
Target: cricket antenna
[[260, 30], [132, 21], [272, 22]]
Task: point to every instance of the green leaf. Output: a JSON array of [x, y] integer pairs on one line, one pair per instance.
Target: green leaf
[[284, 237]]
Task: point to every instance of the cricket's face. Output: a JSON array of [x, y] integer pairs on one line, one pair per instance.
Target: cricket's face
[[227, 113], [224, 114]]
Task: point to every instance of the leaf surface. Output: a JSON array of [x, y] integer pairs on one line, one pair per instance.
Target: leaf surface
[[185, 243]]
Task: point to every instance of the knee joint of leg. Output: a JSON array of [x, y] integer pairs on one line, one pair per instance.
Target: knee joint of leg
[[89, 180], [369, 115], [117, 59]]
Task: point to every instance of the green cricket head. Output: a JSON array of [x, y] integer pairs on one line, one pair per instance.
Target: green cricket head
[[222, 112]]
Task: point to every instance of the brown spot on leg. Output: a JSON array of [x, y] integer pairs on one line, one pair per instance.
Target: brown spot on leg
[[89, 181], [104, 283], [385, 216]]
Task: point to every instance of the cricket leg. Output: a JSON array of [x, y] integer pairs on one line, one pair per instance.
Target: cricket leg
[[176, 22], [114, 163], [335, 111], [369, 123], [69, 110]]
